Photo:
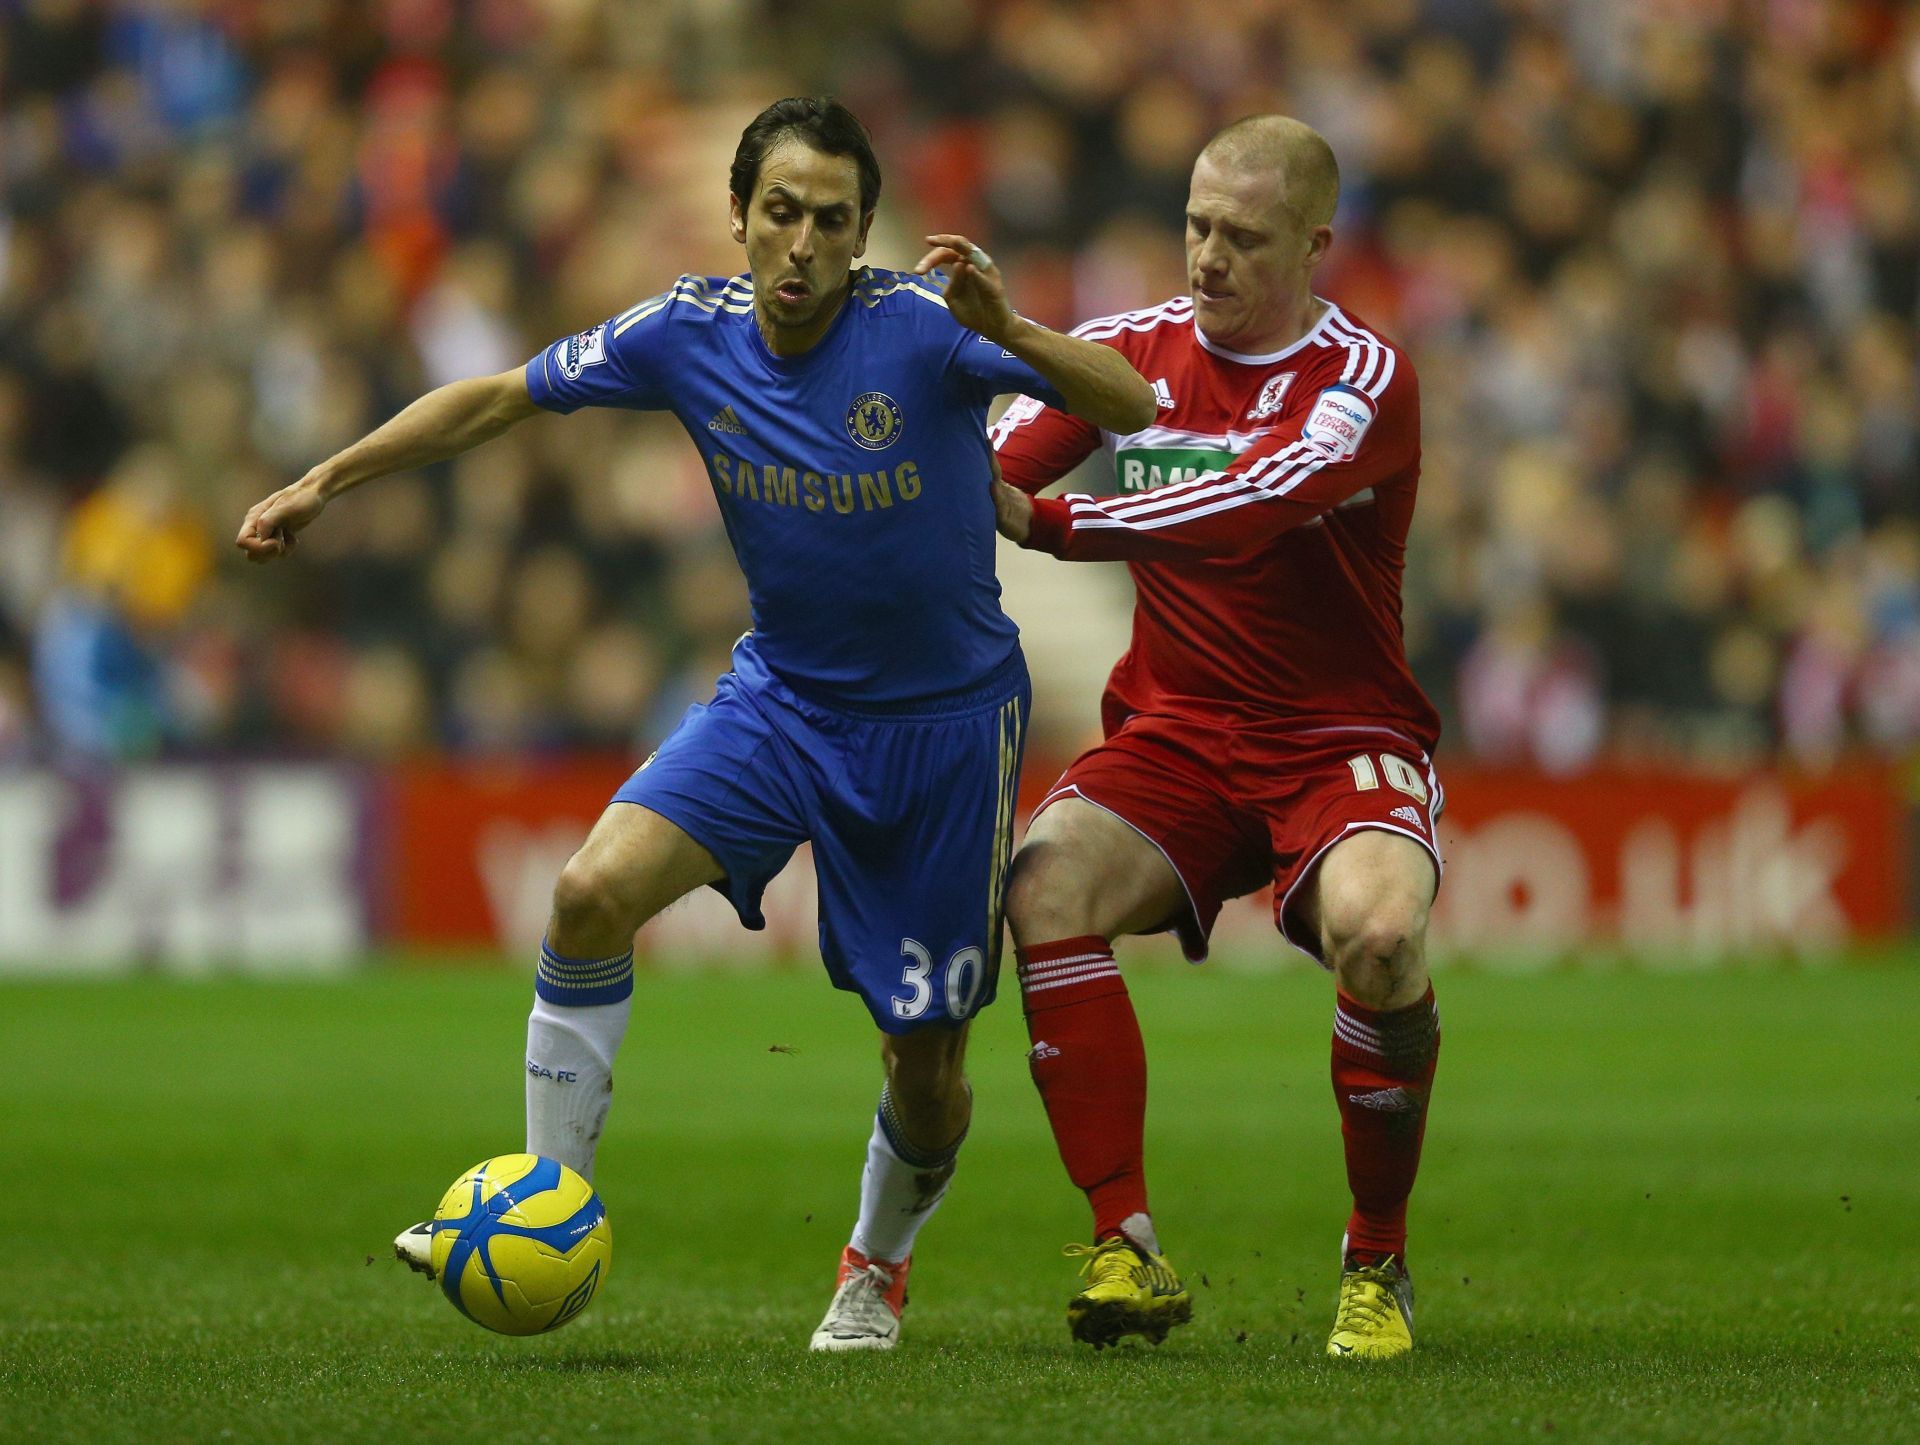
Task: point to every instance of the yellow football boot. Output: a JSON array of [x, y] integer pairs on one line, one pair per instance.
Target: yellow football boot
[[1128, 1292], [1374, 1320]]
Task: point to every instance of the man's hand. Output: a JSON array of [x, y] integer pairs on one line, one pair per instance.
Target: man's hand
[[270, 528], [1094, 381], [976, 293], [1012, 508]]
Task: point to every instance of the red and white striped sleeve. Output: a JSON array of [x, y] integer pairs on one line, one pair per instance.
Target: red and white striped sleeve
[[1355, 434], [1038, 444]]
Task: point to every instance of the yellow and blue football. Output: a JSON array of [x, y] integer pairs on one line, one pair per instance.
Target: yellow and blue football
[[521, 1244]]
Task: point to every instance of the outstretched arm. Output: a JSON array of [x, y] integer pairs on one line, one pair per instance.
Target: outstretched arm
[[1219, 514], [1094, 381], [1289, 480], [441, 424]]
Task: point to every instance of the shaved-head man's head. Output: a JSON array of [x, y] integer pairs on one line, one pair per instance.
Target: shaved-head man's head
[[1292, 152], [1259, 220]]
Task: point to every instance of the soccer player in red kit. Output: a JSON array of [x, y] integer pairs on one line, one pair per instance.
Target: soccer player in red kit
[[1262, 728]]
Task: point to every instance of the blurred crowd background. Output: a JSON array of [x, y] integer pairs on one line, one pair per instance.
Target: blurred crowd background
[[1658, 263]]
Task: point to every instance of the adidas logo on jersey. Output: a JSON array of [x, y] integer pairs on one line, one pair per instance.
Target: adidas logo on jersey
[[1043, 1050], [724, 420], [1162, 395], [1410, 815]]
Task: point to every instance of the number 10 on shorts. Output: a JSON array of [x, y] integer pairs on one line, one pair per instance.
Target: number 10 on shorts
[[964, 974], [1401, 775]]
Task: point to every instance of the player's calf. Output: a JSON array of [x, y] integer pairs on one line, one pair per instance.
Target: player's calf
[[925, 1108], [926, 1083], [633, 863], [1369, 908], [1383, 1064], [580, 1012], [1090, 1067], [1082, 878], [925, 1095]]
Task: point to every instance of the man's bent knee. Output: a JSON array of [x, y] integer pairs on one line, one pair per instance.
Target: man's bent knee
[[633, 864], [1383, 927], [1378, 950], [1047, 896], [587, 904], [1369, 906], [1083, 871]]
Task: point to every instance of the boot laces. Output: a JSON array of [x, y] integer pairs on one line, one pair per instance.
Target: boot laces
[[864, 1291], [1367, 1296], [1112, 1258]]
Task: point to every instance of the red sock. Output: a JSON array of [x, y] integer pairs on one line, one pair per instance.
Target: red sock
[[1383, 1063], [1091, 1069]]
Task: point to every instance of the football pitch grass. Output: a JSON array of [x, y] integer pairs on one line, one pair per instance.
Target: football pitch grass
[[1654, 1207]]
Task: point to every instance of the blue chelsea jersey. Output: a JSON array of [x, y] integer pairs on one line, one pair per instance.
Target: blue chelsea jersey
[[853, 479]]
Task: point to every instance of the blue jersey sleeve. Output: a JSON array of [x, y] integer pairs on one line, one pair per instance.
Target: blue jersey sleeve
[[984, 369], [989, 370], [616, 363]]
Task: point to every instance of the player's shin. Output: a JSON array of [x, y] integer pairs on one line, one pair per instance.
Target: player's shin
[[902, 1185], [580, 1011], [1090, 1066], [1383, 1068]]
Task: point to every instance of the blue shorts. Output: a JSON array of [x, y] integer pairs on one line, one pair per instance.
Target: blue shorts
[[909, 810]]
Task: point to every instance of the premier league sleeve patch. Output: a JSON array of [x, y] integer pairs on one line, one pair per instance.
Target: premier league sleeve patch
[[577, 353], [1021, 410], [1338, 422]]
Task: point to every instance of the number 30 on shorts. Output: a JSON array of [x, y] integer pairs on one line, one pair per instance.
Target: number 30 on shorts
[[965, 972], [1401, 775]]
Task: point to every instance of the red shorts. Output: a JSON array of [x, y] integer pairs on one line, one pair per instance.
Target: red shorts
[[1233, 809]]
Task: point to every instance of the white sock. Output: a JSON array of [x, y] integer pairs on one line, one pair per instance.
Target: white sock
[[1139, 1229], [580, 1012], [900, 1189]]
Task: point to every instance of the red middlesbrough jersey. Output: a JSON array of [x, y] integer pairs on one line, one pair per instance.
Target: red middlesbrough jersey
[[1264, 516]]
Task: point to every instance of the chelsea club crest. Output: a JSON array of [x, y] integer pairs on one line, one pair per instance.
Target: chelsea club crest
[[874, 420]]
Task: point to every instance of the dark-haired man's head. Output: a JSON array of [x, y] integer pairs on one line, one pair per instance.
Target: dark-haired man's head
[[804, 184]]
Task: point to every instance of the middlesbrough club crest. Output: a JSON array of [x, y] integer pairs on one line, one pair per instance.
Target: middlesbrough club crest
[[1272, 396]]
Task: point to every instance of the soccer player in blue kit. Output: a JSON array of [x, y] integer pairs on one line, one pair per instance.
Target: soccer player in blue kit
[[879, 705]]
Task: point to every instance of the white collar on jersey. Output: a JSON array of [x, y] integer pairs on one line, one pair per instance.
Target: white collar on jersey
[[1326, 319]]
